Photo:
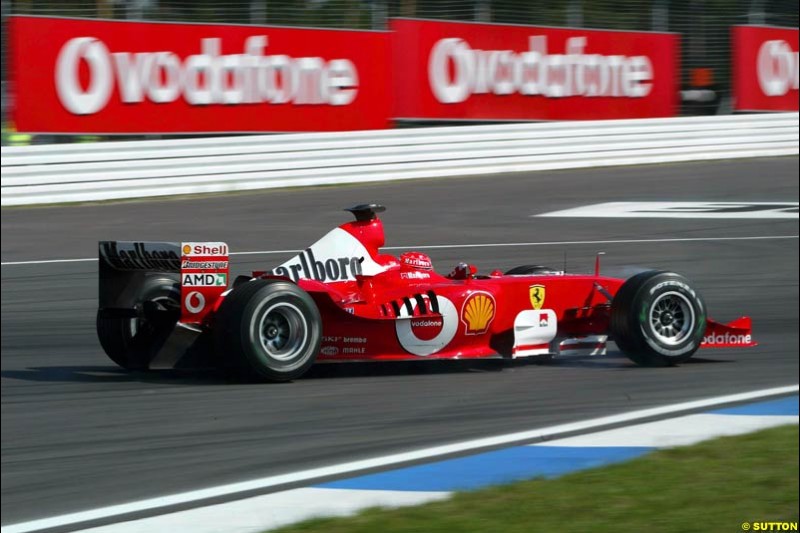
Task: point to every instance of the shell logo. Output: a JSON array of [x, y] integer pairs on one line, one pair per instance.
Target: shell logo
[[478, 312], [187, 249]]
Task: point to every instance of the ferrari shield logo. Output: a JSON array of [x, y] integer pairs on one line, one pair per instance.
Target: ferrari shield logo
[[537, 292]]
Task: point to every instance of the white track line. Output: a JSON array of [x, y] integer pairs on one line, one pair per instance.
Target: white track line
[[447, 246], [265, 483], [47, 261]]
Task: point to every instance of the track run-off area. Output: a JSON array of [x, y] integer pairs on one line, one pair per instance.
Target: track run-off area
[[79, 433]]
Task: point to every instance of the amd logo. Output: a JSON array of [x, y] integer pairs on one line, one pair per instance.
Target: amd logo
[[204, 280]]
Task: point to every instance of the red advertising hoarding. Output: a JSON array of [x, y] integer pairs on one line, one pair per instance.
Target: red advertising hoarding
[[93, 76], [472, 71], [765, 68]]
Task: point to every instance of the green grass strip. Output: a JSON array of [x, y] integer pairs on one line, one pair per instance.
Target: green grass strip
[[712, 486]]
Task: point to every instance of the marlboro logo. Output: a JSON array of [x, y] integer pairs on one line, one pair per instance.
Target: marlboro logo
[[140, 255], [306, 266]]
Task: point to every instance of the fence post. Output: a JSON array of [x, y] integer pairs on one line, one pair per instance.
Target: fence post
[[659, 14], [574, 13]]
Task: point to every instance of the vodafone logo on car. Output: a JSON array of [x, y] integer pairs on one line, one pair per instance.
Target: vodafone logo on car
[[194, 302], [426, 329], [426, 335], [727, 339], [206, 78], [535, 71]]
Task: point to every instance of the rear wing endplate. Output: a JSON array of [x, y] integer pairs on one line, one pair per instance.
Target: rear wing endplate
[[199, 268]]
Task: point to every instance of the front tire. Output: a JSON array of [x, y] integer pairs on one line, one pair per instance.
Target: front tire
[[658, 319], [268, 330]]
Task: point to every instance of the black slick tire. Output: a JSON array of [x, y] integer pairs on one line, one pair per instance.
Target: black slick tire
[[267, 330], [657, 319]]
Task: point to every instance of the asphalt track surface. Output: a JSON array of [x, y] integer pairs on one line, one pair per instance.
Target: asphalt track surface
[[78, 433]]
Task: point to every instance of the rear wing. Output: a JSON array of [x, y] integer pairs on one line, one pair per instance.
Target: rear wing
[[198, 270]]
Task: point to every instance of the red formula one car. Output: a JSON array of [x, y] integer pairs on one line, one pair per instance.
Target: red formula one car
[[340, 299]]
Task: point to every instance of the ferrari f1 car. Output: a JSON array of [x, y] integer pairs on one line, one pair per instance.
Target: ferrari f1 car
[[170, 305]]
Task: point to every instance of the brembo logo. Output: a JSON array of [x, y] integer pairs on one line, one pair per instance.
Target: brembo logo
[[535, 72], [201, 79], [308, 267], [778, 70]]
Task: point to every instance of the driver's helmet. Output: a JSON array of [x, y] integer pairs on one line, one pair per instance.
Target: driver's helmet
[[415, 261]]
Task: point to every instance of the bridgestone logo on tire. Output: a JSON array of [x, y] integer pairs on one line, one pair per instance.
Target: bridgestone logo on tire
[[672, 284]]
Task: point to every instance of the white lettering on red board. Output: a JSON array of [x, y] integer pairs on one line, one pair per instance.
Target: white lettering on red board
[[201, 79], [778, 70], [535, 72]]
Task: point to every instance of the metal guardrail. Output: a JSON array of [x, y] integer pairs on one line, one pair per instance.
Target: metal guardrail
[[115, 170]]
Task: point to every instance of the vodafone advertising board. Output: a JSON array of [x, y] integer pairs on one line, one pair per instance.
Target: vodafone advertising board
[[471, 71], [765, 68], [92, 76]]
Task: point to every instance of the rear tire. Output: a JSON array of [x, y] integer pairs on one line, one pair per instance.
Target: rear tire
[[657, 319], [132, 342], [268, 330]]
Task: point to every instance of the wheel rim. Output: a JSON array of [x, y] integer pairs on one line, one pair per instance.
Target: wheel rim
[[671, 318], [282, 331]]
